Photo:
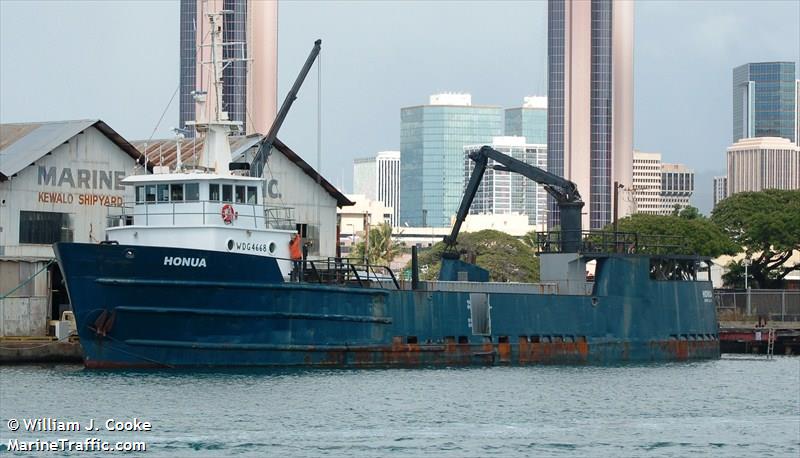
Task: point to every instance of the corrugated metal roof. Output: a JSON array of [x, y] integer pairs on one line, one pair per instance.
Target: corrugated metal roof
[[23, 144], [164, 152]]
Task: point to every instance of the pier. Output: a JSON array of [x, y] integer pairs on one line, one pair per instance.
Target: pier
[[748, 337], [27, 350], [759, 321]]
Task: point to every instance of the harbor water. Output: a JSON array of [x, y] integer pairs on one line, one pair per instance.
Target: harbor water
[[736, 406]]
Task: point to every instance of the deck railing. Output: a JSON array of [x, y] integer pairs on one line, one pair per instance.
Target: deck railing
[[200, 212], [610, 242], [348, 271]]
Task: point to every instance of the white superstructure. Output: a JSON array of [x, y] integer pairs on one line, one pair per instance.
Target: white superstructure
[[206, 207]]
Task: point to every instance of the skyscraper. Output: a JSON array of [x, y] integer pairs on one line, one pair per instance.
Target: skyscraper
[[720, 189], [250, 29], [765, 100], [590, 101], [763, 163], [647, 182], [529, 120], [378, 178], [677, 187], [503, 192], [432, 140], [364, 177]]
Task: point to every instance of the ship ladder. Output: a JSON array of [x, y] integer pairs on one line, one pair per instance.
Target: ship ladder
[[771, 343]]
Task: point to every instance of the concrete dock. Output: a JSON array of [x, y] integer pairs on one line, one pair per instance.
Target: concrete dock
[[747, 337], [39, 350]]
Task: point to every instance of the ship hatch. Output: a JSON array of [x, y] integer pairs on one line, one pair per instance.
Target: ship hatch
[[480, 318]]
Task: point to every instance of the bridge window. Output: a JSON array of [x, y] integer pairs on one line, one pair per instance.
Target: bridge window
[[252, 195], [139, 194], [192, 192], [213, 192], [227, 193], [240, 192], [176, 192], [163, 192], [150, 193]]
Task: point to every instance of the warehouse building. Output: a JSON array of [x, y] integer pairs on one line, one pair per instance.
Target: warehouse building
[[57, 180]]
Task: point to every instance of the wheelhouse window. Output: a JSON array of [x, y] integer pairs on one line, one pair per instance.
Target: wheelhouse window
[[240, 193], [192, 192], [139, 194], [163, 192], [252, 195], [213, 192], [150, 193], [176, 192], [44, 227], [227, 193]]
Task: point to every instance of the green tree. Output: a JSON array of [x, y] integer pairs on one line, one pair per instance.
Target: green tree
[[691, 232], [505, 257], [766, 225], [687, 212], [382, 247]]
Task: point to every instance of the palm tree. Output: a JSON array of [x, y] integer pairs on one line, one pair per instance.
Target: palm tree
[[382, 248]]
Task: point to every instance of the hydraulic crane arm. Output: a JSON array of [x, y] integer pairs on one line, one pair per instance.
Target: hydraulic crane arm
[[265, 146], [563, 191]]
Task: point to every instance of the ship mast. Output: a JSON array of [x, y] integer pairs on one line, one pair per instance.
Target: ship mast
[[216, 153]]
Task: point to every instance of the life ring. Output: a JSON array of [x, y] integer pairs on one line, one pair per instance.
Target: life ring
[[228, 213]]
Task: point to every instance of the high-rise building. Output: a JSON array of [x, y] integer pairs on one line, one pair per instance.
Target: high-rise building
[[677, 187], [765, 100], [250, 30], [364, 177], [763, 163], [502, 192], [647, 182], [378, 178], [432, 140], [797, 112], [529, 120], [590, 101], [720, 189]]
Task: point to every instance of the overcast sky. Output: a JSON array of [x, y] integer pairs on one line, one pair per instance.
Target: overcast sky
[[118, 61]]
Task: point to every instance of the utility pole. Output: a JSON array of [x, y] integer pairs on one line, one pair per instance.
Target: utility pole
[[617, 187], [366, 238], [746, 263]]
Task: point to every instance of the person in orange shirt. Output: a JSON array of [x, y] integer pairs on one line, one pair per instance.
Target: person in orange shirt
[[296, 253]]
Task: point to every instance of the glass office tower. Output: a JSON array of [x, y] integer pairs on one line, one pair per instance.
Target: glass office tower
[[188, 70], [502, 192], [432, 140], [764, 100], [249, 86], [590, 102], [529, 120]]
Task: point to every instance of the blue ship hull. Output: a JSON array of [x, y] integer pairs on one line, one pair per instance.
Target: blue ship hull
[[139, 306]]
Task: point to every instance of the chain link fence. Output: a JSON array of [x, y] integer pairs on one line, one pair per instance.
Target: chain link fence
[[772, 304]]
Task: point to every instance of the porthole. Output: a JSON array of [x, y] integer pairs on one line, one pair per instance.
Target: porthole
[[230, 244], [129, 254], [272, 247]]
